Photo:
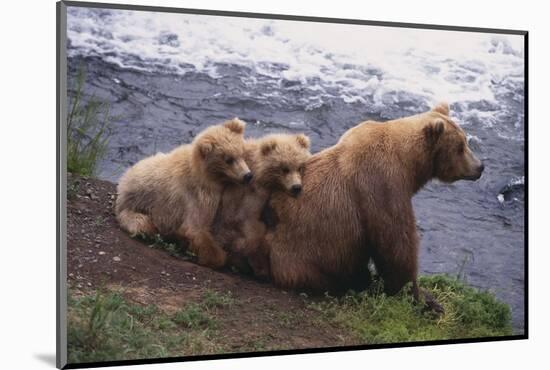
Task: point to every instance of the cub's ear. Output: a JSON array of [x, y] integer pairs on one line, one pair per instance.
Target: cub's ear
[[268, 146], [433, 131], [442, 108], [303, 141], [205, 148], [235, 125]]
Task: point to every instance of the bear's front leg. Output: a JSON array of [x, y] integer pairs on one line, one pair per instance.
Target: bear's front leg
[[259, 262], [396, 256], [196, 228], [253, 234], [209, 252]]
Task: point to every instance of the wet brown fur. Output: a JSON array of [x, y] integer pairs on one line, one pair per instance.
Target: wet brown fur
[[178, 193], [277, 164], [356, 203]]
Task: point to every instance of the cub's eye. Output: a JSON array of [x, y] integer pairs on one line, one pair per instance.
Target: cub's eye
[[461, 148], [285, 170], [229, 160], [302, 169]]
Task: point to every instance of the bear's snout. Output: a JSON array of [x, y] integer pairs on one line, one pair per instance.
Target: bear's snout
[[481, 168], [295, 190], [477, 172], [247, 177]]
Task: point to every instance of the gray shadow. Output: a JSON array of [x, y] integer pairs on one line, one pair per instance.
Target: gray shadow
[[47, 358]]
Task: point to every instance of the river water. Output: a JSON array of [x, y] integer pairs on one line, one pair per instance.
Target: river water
[[168, 76]]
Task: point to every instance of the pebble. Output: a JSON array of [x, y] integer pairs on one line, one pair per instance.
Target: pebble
[[116, 259], [101, 253]]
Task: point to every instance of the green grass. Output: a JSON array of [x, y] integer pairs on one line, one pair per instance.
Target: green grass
[[175, 249], [375, 318], [100, 220], [212, 299], [88, 130], [106, 327]]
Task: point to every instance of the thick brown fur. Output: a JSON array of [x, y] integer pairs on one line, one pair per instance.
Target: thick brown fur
[[277, 163], [356, 203], [177, 194]]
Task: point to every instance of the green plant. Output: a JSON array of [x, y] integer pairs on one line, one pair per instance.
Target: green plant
[[73, 186], [212, 299], [99, 220], [193, 316], [106, 327], [88, 130], [174, 249], [375, 317]]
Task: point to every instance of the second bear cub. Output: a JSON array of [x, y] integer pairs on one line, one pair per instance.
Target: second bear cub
[[277, 162]]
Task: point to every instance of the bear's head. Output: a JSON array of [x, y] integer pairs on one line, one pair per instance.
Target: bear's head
[[281, 162], [453, 158], [221, 151]]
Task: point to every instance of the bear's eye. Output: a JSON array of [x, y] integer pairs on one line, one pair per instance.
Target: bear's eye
[[302, 169], [285, 170], [461, 148], [229, 160]]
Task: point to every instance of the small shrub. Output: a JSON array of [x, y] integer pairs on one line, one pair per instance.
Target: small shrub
[[88, 130]]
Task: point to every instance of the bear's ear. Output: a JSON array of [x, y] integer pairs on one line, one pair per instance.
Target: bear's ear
[[205, 148], [442, 108], [235, 125], [268, 146], [434, 130], [303, 141]]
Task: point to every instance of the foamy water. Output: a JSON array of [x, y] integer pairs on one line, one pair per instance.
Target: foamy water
[[356, 60]]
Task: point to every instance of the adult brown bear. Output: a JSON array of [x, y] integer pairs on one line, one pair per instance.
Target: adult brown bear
[[356, 203]]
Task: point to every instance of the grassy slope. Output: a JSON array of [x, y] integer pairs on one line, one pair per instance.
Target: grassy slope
[[106, 327], [377, 318]]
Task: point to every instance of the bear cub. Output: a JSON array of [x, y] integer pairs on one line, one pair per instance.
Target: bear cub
[[277, 162], [177, 194]]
